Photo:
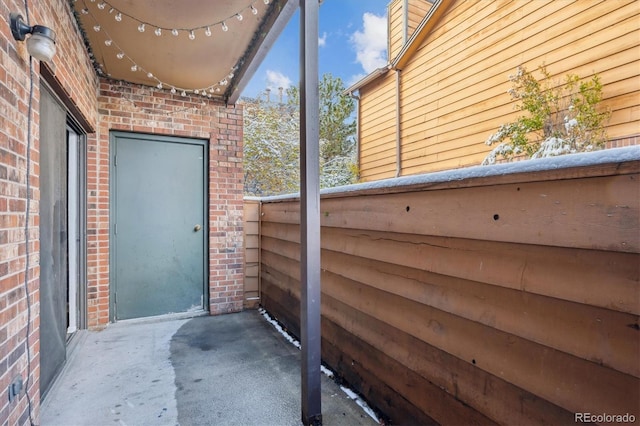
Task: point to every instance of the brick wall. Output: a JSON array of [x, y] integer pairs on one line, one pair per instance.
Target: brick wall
[[77, 78], [133, 108], [104, 106]]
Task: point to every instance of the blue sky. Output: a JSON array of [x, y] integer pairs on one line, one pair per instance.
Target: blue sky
[[352, 40]]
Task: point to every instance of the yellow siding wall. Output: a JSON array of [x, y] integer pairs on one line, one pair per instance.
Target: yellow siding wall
[[417, 10], [395, 29], [454, 88], [378, 128]]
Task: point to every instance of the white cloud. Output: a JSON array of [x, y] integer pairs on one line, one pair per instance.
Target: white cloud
[[322, 41], [371, 43], [276, 79]]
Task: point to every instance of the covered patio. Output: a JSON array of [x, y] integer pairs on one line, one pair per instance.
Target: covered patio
[[231, 369], [123, 170], [488, 295]]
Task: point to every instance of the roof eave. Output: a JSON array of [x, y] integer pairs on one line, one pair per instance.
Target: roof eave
[[366, 80], [261, 49], [410, 47]]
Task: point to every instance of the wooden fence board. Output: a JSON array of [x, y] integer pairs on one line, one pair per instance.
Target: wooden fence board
[[596, 213], [362, 376], [501, 401], [570, 275], [507, 405], [599, 335], [252, 253], [441, 406], [572, 383], [435, 318]]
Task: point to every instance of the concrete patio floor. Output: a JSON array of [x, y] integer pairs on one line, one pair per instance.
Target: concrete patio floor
[[232, 369]]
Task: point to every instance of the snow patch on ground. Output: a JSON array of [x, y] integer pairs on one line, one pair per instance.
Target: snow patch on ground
[[365, 407], [327, 372], [279, 328]]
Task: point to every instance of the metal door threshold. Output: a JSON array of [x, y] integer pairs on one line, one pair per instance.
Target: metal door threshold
[[164, 317]]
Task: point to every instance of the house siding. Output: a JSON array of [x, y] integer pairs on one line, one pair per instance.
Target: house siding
[[75, 76], [395, 28], [454, 87], [378, 129], [416, 11]]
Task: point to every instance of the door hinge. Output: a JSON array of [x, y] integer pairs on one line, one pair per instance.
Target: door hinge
[[115, 229], [115, 160]]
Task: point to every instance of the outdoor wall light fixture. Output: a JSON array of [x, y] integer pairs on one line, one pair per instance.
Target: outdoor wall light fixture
[[42, 43]]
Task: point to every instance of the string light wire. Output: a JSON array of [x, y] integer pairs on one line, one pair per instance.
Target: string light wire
[[26, 226], [142, 23]]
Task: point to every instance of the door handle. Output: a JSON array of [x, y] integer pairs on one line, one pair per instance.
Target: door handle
[[197, 228]]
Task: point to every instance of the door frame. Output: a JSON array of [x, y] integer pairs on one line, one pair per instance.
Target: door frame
[[113, 137], [78, 202], [77, 124], [71, 128]]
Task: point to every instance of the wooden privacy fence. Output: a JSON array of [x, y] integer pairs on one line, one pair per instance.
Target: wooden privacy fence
[[505, 294], [251, 253]]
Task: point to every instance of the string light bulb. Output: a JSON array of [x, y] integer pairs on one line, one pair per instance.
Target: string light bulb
[[158, 31]]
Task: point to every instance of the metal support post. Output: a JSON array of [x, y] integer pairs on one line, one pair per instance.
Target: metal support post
[[310, 213]]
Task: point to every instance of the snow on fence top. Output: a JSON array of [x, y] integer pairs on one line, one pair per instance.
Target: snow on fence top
[[613, 155]]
